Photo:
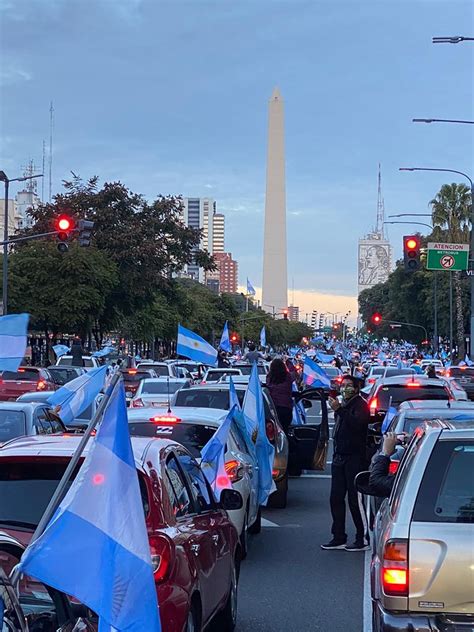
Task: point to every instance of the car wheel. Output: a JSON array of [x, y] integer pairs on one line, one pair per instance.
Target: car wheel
[[279, 497], [244, 537], [256, 527], [228, 616]]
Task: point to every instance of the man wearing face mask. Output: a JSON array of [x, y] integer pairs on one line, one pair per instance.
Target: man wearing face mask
[[352, 419]]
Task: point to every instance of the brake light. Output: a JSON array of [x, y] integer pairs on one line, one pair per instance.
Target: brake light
[[172, 419], [138, 403], [21, 370], [234, 470], [373, 405], [393, 467], [132, 371], [338, 379], [413, 384], [395, 568], [371, 380], [41, 385], [270, 430], [203, 381], [161, 555]]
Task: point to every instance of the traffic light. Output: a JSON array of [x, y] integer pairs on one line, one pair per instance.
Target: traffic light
[[285, 314], [63, 226], [411, 253], [376, 319], [85, 227]]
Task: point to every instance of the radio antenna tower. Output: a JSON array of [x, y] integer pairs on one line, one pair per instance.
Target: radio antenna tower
[[42, 170], [51, 111], [380, 226]]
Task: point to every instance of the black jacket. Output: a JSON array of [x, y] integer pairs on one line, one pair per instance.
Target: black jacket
[[380, 481], [350, 430]]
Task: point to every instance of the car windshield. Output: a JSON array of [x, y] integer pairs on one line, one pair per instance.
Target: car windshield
[[12, 424], [202, 398], [214, 376], [159, 369], [160, 388], [395, 395], [247, 369], [456, 371], [332, 371], [193, 436], [87, 362], [378, 370], [22, 375]]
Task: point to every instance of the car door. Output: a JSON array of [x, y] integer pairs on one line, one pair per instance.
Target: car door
[[214, 522], [196, 531], [307, 441]]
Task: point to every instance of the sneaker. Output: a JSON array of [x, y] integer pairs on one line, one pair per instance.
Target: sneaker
[[334, 544], [358, 545]]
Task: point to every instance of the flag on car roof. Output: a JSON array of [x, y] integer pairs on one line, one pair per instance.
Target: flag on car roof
[[225, 339], [96, 546], [61, 350], [192, 346], [314, 375], [78, 394], [250, 288], [213, 457], [13, 336]]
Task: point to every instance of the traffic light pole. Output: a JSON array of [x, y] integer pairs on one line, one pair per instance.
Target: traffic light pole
[[396, 322]]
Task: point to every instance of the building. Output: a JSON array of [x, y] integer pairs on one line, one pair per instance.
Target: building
[[13, 217], [213, 285], [293, 313], [227, 269], [275, 275], [218, 233]]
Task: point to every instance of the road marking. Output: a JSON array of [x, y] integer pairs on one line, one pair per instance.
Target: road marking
[[269, 523], [315, 476], [367, 605]]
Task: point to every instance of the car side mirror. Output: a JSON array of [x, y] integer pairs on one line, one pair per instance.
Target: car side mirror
[[231, 499], [362, 484]]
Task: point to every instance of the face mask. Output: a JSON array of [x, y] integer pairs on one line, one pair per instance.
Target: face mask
[[347, 392]]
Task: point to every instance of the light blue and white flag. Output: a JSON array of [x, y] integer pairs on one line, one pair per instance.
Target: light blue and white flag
[[389, 415], [324, 358], [102, 353], [239, 418], [254, 415], [96, 546], [299, 413], [263, 337], [468, 361], [13, 336], [78, 394], [225, 339], [213, 457], [61, 350], [233, 399], [192, 346], [314, 375], [250, 288]]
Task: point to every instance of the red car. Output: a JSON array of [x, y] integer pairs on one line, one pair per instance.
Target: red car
[[194, 545], [26, 380]]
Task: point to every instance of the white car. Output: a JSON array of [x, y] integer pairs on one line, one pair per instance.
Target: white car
[[193, 427], [89, 362], [214, 375], [162, 369], [157, 392]]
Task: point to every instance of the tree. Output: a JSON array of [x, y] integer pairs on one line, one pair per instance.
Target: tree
[[451, 210]]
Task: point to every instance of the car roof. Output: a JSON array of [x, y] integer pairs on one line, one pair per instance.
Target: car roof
[[30, 396], [452, 425], [434, 404], [19, 406], [146, 363], [402, 380], [217, 386], [186, 413]]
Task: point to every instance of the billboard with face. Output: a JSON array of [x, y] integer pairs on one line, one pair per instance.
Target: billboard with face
[[374, 263]]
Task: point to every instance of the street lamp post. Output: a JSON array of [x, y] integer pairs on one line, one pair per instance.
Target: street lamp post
[[471, 251], [6, 180]]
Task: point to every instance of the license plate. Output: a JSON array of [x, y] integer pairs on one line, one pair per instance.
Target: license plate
[[159, 404]]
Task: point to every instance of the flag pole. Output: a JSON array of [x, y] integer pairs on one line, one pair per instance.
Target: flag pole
[[59, 493]]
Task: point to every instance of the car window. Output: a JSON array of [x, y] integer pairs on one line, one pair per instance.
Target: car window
[[55, 421], [447, 490], [395, 395], [160, 388], [394, 372], [199, 486], [12, 424], [455, 371], [41, 422], [161, 371], [206, 398], [177, 489], [27, 375], [404, 473], [192, 435]]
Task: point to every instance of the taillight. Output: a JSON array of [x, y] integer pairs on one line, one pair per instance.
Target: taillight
[[413, 384], [203, 381], [172, 419], [234, 470], [138, 403], [371, 380], [270, 430], [373, 405], [393, 467], [41, 385], [448, 373], [395, 568], [161, 554]]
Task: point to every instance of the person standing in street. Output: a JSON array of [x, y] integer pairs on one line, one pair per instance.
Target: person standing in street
[[77, 352], [280, 384], [352, 419]]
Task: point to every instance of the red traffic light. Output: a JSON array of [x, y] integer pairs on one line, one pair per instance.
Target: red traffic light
[[411, 243], [64, 223], [376, 318]]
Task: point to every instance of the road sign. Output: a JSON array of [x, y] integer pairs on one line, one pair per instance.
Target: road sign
[[447, 256]]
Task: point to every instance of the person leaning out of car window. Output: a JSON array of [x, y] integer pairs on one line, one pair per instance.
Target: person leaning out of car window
[[380, 480]]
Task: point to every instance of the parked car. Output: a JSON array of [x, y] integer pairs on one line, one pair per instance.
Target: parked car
[[89, 362], [132, 378], [421, 572], [24, 380], [217, 396], [464, 376], [157, 392], [64, 374], [194, 545], [193, 428], [18, 419]]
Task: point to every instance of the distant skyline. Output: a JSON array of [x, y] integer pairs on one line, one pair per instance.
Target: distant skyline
[[171, 98]]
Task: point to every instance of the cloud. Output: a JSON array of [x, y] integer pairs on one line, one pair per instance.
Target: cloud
[[11, 76]]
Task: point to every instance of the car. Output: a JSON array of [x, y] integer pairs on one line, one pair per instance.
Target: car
[[24, 380], [214, 375], [64, 374], [421, 571], [375, 373], [78, 424], [162, 369], [464, 376], [89, 362], [424, 364], [157, 392], [217, 396], [19, 419], [132, 378], [195, 547], [193, 428], [334, 374], [246, 369]]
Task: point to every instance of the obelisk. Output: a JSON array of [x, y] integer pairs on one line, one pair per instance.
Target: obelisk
[[275, 276]]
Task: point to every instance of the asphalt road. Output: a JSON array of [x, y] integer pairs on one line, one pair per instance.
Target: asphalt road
[[287, 582]]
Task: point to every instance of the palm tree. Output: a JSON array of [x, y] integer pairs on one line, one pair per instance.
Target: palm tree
[[451, 216]]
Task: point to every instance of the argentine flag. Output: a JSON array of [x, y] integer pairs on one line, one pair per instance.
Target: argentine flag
[[263, 337], [78, 394], [225, 339], [213, 457], [13, 335], [61, 350], [250, 288], [314, 375], [96, 546], [192, 346]]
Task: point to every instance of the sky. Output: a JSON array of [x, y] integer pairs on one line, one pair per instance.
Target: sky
[[172, 98]]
